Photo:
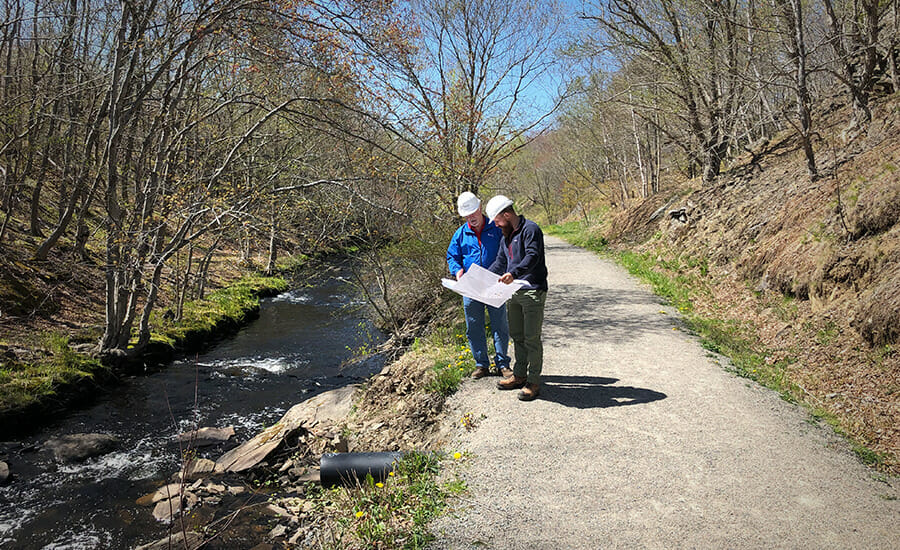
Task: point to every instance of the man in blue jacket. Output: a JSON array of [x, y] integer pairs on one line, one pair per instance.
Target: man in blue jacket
[[522, 257], [477, 242]]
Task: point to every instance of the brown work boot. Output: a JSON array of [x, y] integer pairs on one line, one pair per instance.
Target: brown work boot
[[511, 383], [480, 372], [529, 392], [506, 372]]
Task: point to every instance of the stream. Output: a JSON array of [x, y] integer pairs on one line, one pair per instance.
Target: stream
[[295, 350]]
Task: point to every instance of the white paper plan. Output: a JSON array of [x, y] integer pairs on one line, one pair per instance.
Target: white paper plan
[[480, 284]]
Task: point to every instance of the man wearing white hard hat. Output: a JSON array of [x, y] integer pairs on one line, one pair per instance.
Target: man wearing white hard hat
[[521, 257], [477, 242]]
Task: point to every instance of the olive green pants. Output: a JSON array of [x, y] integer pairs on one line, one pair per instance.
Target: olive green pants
[[525, 311]]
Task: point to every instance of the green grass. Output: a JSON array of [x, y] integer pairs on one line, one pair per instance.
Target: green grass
[[828, 333], [579, 234], [447, 377], [291, 263], [454, 362], [23, 384], [446, 346], [394, 513], [866, 455], [231, 303]]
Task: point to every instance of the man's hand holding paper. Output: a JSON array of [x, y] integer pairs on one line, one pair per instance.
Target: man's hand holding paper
[[480, 284]]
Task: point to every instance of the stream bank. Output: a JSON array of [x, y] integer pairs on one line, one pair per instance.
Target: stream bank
[[75, 376], [282, 505], [297, 348]]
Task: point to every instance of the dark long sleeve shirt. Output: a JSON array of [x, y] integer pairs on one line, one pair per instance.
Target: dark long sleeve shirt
[[522, 255]]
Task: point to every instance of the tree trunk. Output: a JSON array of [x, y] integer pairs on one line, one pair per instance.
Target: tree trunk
[[203, 271], [792, 15], [859, 95], [894, 47], [637, 149], [183, 281], [7, 211], [273, 244], [44, 249]]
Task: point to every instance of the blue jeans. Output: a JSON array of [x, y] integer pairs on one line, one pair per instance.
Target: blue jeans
[[474, 311]]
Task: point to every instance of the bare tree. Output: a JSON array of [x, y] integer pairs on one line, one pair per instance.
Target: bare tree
[[464, 98], [694, 48], [790, 15], [854, 33]]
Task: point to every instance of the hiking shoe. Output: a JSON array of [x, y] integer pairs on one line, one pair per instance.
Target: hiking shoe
[[529, 392], [511, 383], [506, 372], [480, 372]]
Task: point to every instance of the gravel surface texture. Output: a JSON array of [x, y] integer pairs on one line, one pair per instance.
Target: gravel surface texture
[[641, 439]]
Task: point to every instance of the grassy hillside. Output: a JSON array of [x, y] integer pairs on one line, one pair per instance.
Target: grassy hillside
[[797, 281]]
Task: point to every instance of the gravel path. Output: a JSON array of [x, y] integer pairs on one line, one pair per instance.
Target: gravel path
[[640, 439]]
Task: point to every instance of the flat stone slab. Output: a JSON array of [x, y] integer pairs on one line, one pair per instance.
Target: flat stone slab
[[176, 540], [332, 406], [204, 437], [197, 467]]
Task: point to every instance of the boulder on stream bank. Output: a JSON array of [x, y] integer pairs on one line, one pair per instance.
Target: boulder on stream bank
[[4, 473], [80, 447]]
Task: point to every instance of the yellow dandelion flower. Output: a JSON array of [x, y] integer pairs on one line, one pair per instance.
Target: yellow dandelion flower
[[360, 514], [391, 474], [379, 485], [457, 455]]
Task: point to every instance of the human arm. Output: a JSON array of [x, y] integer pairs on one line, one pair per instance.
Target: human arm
[[500, 262], [455, 256], [532, 240]]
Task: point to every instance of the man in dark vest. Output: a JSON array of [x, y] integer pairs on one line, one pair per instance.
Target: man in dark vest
[[521, 256]]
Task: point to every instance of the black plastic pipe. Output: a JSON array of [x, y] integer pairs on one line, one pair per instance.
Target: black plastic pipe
[[351, 468]]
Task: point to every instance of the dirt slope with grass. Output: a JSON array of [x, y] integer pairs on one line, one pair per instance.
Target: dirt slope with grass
[[642, 439], [808, 271]]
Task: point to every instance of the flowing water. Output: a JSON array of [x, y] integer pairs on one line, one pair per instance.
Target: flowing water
[[293, 351]]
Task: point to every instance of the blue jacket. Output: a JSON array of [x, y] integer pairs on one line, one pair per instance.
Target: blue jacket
[[523, 256], [465, 248]]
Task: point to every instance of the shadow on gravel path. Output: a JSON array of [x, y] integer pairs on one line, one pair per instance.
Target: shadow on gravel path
[[578, 311], [588, 392]]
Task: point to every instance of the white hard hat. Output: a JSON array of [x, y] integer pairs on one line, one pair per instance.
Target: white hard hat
[[467, 203], [496, 205]]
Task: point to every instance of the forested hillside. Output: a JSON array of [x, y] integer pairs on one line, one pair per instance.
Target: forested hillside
[[145, 145]]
